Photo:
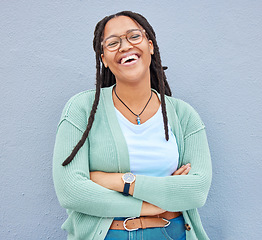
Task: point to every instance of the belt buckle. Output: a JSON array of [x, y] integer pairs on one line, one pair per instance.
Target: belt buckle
[[124, 224], [168, 222]]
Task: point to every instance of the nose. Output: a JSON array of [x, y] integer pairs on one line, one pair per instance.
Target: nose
[[124, 45]]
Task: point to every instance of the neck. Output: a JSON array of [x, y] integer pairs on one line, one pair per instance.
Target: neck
[[133, 94]]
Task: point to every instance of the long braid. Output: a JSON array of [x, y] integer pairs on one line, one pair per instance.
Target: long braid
[[162, 96], [105, 78], [160, 76], [90, 119]]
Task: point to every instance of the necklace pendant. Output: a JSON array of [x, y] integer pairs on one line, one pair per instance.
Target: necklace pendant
[[138, 120]]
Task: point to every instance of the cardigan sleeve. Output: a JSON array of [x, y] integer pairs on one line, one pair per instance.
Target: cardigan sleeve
[[182, 192], [75, 190]]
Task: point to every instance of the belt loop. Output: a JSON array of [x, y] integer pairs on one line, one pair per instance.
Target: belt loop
[[141, 221]]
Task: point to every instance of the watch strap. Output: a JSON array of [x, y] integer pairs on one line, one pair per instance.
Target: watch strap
[[126, 189]]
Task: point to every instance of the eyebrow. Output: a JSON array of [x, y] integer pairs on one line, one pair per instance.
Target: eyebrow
[[130, 30]]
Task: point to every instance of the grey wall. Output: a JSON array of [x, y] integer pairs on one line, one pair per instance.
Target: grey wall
[[213, 51]]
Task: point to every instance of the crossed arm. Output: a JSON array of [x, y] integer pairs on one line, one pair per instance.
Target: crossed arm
[[113, 181]]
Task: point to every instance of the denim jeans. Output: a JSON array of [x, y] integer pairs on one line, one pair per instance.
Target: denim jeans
[[174, 231]]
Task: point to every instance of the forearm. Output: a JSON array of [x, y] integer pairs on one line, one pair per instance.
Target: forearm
[[112, 181]]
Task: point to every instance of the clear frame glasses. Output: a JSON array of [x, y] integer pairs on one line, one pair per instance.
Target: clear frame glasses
[[133, 36]]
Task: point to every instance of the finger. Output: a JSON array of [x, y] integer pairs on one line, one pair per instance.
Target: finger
[[180, 170], [186, 171]]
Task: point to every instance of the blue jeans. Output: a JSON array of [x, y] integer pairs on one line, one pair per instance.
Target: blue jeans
[[175, 231]]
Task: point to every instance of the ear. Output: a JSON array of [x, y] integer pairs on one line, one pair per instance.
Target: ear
[[103, 60], [151, 47]]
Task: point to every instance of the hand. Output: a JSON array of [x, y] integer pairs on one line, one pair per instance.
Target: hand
[[184, 170]]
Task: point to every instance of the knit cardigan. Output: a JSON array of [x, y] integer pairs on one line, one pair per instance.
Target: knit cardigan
[[91, 208]]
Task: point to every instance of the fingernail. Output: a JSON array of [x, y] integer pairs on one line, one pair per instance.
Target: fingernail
[[188, 164]]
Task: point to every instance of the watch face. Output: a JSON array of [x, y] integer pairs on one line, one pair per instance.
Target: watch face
[[128, 177]]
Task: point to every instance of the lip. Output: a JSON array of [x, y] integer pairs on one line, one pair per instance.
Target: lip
[[127, 55], [129, 63]]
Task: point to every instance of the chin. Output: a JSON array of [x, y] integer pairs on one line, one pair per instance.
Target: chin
[[134, 76]]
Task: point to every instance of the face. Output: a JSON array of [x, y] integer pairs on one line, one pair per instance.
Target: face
[[130, 62]]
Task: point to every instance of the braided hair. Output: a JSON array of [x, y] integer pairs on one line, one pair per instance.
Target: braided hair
[[105, 78]]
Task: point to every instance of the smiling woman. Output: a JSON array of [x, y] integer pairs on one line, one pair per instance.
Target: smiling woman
[[129, 159], [121, 32]]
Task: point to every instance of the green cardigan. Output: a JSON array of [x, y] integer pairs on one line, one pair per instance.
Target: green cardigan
[[91, 207]]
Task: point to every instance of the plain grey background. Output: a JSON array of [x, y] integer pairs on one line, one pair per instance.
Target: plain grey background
[[213, 51]]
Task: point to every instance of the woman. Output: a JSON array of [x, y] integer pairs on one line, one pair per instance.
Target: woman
[[128, 159]]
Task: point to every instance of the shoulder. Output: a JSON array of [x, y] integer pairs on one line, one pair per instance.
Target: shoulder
[[77, 109], [182, 108], [78, 102], [188, 117]]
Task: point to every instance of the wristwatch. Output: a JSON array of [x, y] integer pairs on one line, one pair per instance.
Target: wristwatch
[[128, 179]]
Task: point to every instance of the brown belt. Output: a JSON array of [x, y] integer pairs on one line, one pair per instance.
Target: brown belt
[[131, 224]]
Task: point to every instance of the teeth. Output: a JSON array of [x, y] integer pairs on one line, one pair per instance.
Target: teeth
[[123, 60]]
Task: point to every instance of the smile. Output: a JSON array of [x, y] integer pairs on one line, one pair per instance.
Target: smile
[[131, 59]]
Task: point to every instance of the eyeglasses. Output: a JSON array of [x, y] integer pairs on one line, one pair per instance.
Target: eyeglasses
[[133, 36]]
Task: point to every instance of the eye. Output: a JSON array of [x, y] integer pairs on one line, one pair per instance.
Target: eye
[[112, 44], [135, 36]]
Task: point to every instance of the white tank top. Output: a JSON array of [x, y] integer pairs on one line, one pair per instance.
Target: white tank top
[[149, 152]]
